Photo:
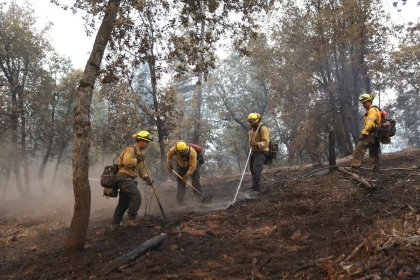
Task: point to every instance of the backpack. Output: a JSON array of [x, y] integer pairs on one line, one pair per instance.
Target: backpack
[[108, 178], [387, 128], [271, 155], [273, 148], [199, 151]]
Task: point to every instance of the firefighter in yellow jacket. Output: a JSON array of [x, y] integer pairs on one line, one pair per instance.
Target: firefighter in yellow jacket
[[369, 139], [259, 138], [187, 166], [131, 165]]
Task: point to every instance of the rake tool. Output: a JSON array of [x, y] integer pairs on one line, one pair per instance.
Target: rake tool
[[205, 199], [154, 191]]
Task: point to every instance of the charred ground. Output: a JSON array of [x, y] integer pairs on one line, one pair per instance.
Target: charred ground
[[299, 227]]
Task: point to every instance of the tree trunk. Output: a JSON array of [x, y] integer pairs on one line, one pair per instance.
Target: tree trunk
[[80, 222], [13, 145], [198, 93], [331, 155], [49, 148], [338, 127], [56, 167], [345, 114], [23, 141], [3, 196], [157, 118]]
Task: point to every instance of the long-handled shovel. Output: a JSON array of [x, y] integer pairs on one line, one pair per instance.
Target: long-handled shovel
[[206, 198], [154, 191]]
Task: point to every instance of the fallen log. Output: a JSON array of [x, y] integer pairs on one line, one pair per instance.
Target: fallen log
[[356, 177], [355, 251], [133, 254], [368, 267], [395, 240], [314, 263]]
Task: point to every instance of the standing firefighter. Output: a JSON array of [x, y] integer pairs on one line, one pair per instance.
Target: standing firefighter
[[131, 165], [369, 139], [187, 166], [259, 137]]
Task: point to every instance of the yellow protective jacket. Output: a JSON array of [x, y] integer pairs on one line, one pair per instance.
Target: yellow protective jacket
[[262, 137], [372, 119], [188, 161], [128, 163]]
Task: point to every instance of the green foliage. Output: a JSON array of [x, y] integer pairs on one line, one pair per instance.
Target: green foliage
[[318, 58]]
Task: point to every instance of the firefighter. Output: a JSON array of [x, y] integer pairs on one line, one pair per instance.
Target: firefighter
[[187, 166], [369, 139], [259, 137], [131, 165]]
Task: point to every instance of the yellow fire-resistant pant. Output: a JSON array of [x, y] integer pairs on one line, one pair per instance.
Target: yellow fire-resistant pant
[[371, 143]]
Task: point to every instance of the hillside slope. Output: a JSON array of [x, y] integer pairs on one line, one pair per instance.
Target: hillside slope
[[301, 226]]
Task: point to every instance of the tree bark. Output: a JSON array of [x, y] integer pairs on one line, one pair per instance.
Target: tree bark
[[198, 93], [79, 224], [331, 156], [158, 120], [56, 166], [3, 196], [49, 148], [13, 144], [22, 115]]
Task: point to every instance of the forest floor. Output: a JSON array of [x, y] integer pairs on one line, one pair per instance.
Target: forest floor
[[301, 226]]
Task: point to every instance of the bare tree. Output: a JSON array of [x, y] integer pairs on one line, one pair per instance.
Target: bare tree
[[79, 224]]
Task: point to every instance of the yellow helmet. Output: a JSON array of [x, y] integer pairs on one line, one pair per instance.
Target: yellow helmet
[[142, 135], [182, 147], [366, 97], [253, 118]]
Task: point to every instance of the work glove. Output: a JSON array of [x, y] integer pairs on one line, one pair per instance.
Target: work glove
[[170, 167], [253, 143], [185, 178], [362, 137], [140, 157], [148, 181]]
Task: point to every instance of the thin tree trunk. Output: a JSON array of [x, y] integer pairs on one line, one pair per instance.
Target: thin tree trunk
[[49, 148], [331, 155], [80, 222], [198, 93], [16, 167], [13, 145], [3, 196], [23, 143], [56, 168]]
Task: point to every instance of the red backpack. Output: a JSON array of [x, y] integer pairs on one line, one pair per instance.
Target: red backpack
[[199, 150]]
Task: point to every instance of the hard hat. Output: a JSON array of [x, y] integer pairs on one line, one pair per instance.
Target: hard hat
[[253, 118], [182, 147], [142, 135], [366, 97]]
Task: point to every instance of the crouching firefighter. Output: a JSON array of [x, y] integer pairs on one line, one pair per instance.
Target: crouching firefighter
[[259, 137], [187, 166], [131, 165], [369, 139]]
